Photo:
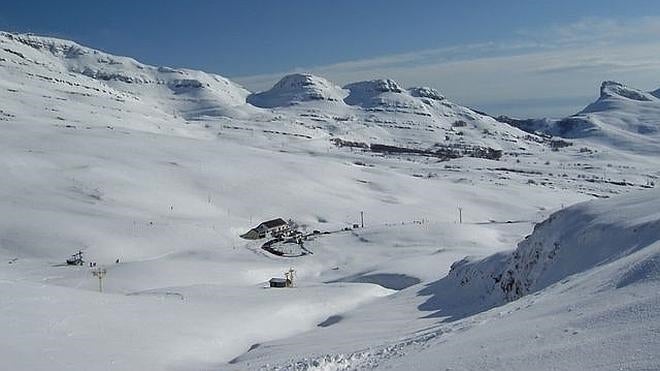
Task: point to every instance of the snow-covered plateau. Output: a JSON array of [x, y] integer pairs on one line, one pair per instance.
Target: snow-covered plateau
[[432, 236]]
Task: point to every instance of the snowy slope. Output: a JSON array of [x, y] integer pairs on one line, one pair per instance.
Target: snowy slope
[[186, 92], [374, 112], [583, 293], [164, 168], [571, 241], [426, 110], [380, 112], [621, 114], [595, 272]]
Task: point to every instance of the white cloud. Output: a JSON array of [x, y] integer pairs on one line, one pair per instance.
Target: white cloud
[[554, 71], [599, 30]]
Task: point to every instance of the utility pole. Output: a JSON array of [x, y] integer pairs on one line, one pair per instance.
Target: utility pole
[[362, 218], [99, 273], [460, 215]]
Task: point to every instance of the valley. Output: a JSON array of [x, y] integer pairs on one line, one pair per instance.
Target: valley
[[479, 239]]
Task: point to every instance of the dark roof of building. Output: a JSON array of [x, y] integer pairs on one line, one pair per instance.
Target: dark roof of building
[[274, 223], [277, 280]]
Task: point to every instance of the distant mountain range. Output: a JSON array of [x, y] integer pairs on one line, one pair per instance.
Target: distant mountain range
[[377, 111]]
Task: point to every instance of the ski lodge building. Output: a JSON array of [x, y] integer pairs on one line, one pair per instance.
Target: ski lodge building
[[273, 228]]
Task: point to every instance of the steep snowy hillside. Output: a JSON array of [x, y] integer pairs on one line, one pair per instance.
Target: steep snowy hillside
[[571, 241]]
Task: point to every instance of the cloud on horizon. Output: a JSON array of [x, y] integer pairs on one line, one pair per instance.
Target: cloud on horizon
[[545, 72]]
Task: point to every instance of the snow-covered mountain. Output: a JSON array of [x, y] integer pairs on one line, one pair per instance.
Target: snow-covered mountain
[[622, 117], [382, 114], [297, 88], [370, 112], [384, 94], [154, 173], [625, 116], [377, 111], [56, 63]]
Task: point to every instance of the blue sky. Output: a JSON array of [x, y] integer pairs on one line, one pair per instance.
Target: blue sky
[[494, 55]]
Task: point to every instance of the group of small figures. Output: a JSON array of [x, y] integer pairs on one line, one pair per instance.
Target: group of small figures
[[93, 264]]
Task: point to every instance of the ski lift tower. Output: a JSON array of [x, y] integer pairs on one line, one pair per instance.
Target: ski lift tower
[[288, 276], [99, 273]]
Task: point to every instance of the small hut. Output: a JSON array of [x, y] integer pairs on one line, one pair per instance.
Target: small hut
[[287, 281], [277, 282]]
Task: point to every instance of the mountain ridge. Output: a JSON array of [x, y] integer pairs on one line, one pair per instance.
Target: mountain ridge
[[621, 116]]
